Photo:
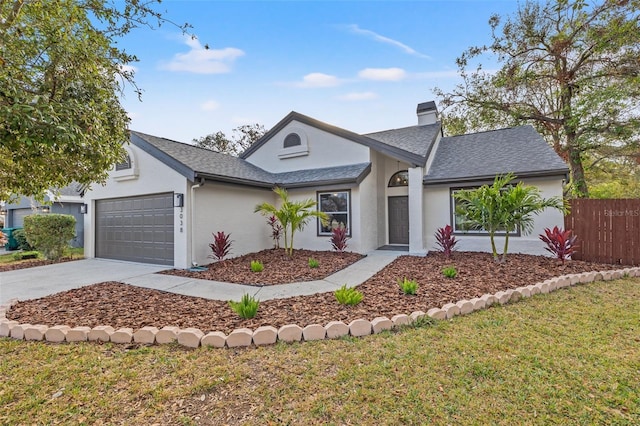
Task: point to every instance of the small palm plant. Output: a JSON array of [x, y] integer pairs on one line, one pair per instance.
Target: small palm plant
[[292, 215]]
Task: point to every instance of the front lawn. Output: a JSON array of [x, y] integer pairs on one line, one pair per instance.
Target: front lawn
[[570, 357]]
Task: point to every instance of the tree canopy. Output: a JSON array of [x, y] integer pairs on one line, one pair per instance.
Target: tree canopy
[[243, 137], [61, 73], [568, 67]]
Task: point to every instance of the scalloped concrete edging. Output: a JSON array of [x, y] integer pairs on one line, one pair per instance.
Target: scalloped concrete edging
[[268, 335]]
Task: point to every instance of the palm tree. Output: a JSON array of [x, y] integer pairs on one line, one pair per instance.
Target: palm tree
[[293, 216], [502, 207]]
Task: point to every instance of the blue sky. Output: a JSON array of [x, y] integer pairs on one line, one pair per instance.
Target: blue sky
[[360, 65]]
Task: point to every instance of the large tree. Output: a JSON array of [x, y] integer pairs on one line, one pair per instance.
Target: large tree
[[569, 67], [243, 137], [61, 73]]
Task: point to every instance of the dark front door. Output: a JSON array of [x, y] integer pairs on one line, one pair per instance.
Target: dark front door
[[399, 220]]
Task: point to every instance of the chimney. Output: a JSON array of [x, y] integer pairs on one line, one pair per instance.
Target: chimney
[[427, 113]]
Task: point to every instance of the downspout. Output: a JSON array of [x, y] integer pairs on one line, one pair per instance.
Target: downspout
[[192, 204]]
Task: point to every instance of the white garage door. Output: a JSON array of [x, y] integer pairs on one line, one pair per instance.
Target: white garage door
[[136, 229]]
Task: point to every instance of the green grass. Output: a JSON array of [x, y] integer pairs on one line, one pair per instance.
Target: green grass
[[74, 252], [570, 357]]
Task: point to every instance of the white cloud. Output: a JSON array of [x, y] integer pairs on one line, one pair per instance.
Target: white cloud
[[382, 39], [209, 105], [358, 96], [200, 60], [383, 74], [318, 79]]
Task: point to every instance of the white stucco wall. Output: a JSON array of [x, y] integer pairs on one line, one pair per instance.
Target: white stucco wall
[[153, 177], [324, 150], [437, 202], [230, 209]]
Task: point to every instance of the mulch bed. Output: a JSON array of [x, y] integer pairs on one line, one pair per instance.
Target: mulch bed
[[33, 263], [121, 305], [279, 268]]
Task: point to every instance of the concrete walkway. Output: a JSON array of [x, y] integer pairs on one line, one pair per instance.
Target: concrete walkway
[[42, 281]]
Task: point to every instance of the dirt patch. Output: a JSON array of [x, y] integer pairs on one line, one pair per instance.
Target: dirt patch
[[121, 305], [33, 263]]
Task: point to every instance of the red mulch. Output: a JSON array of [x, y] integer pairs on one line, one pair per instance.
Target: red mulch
[[121, 305], [278, 267]]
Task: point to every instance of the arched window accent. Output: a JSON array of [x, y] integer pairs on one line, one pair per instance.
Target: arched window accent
[[124, 164], [292, 139], [400, 178]]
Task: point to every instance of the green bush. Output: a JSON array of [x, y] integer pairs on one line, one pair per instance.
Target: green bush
[[449, 272], [348, 296], [26, 255], [50, 233], [256, 266], [408, 286], [21, 239], [313, 263], [246, 308]]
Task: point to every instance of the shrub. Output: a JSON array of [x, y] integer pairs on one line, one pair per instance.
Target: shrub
[[449, 272], [3, 239], [339, 239], [50, 233], [313, 263], [561, 243], [348, 296], [256, 266], [445, 240], [221, 246], [21, 239], [408, 286], [276, 231], [246, 308], [26, 255]]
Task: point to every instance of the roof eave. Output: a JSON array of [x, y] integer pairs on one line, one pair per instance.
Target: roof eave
[[163, 157], [522, 175], [234, 180], [324, 182]]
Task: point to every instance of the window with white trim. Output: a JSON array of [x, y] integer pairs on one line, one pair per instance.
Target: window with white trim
[[337, 205], [461, 225], [125, 164]]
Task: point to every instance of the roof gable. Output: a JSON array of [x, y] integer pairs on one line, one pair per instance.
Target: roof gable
[[399, 147]]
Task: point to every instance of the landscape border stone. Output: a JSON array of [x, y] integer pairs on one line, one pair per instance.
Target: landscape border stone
[[266, 335]]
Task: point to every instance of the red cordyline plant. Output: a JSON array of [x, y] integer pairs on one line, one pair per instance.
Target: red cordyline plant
[[445, 240], [339, 239], [276, 231], [221, 245], [561, 243]]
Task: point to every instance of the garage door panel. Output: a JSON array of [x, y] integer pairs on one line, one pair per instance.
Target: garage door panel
[[137, 229]]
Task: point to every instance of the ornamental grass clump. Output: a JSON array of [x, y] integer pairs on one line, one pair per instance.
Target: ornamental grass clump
[[449, 272], [246, 308], [348, 296], [407, 286], [313, 263], [256, 266]]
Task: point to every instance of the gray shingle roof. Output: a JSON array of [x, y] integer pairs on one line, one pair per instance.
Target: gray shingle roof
[[194, 162], [476, 156], [417, 140]]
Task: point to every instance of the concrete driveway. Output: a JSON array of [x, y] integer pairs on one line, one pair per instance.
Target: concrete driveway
[[32, 283]]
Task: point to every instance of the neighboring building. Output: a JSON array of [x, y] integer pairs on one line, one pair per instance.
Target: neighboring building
[[394, 187], [67, 200]]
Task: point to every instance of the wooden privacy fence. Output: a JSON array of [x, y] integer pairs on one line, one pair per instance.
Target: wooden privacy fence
[[608, 231]]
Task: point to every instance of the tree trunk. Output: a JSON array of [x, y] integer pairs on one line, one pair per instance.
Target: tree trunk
[[578, 181]]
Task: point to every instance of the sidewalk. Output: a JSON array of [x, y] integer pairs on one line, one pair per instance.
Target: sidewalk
[[33, 283], [352, 275]]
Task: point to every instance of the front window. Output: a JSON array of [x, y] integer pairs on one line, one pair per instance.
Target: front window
[[462, 226], [337, 205]]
